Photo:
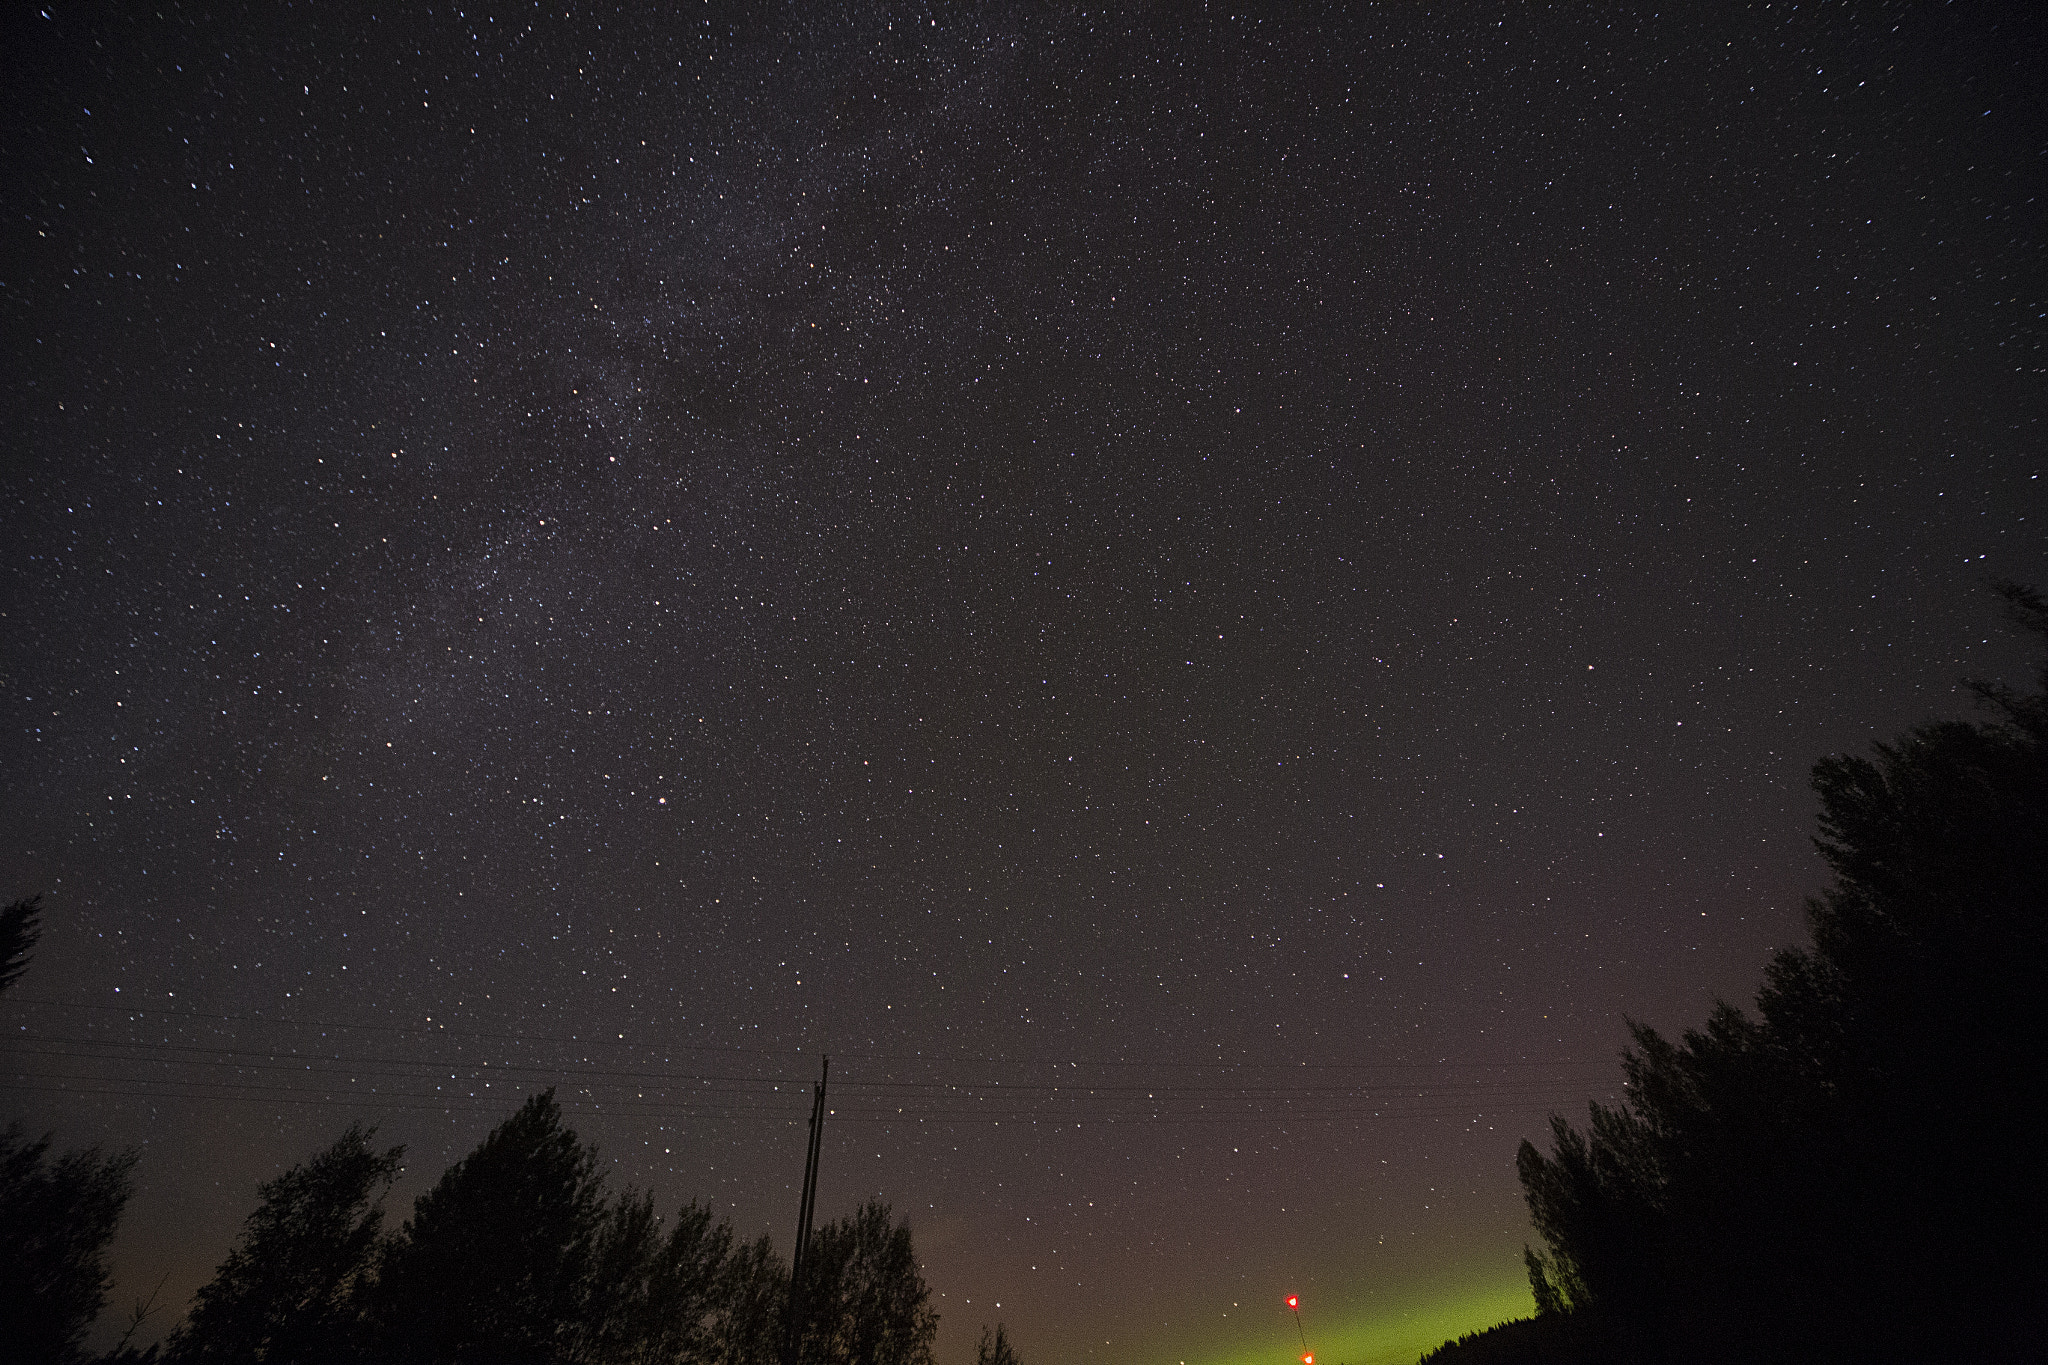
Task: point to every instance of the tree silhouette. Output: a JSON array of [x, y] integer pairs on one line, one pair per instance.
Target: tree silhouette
[[1546, 1339], [1857, 1172], [865, 1299], [20, 928], [495, 1263], [56, 1218], [655, 1299], [516, 1255], [286, 1291], [746, 1328], [995, 1348]]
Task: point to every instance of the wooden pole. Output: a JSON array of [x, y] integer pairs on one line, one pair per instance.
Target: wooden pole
[[793, 1313]]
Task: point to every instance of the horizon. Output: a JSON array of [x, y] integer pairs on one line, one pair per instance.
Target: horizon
[[1209, 602]]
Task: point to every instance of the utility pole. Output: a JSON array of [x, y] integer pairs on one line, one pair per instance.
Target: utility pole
[[793, 1312]]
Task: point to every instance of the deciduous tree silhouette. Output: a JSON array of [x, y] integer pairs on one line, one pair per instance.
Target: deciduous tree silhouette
[[286, 1291], [995, 1348], [746, 1328], [495, 1263], [1857, 1172], [865, 1299], [56, 1216], [517, 1257], [56, 1219], [653, 1298]]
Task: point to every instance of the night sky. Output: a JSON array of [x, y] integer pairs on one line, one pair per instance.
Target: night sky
[[1206, 602]]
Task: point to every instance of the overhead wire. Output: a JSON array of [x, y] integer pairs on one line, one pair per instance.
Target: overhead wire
[[109, 1066], [331, 1064], [438, 1103], [442, 1031]]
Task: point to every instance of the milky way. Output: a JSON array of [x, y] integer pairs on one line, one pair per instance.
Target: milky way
[[1206, 602]]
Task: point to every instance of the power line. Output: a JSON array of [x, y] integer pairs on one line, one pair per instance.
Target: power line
[[331, 1063], [133, 1010], [333, 1078], [573, 1103], [361, 1062], [978, 1103], [386, 1068], [440, 1031]]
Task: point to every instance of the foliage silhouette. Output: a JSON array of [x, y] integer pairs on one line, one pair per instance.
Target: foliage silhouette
[[58, 1217], [684, 1297], [495, 1263], [1546, 1339], [517, 1255], [746, 1327], [20, 928], [1856, 1172], [286, 1291], [865, 1301], [995, 1348]]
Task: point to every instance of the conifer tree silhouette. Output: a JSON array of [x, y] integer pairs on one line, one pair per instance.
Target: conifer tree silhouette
[[1859, 1170]]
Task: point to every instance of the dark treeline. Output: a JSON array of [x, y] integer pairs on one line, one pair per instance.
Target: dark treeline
[[519, 1255], [1548, 1339], [1854, 1171]]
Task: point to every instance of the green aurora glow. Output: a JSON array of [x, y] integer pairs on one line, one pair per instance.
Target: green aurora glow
[[1399, 1330]]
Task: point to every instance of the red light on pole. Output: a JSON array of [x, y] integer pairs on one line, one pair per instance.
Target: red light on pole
[[1308, 1360], [1294, 1302]]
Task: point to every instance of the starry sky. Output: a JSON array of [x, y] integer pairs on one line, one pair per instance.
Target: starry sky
[[1206, 601]]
